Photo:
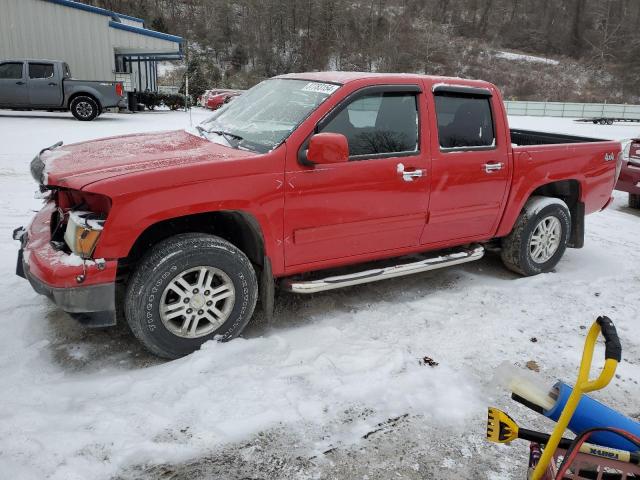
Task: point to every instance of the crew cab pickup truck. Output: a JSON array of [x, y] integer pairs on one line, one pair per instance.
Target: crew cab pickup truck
[[307, 182], [629, 180], [47, 85]]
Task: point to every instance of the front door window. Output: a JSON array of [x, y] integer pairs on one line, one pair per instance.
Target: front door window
[[378, 125]]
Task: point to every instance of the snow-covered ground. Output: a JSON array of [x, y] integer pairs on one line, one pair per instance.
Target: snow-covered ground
[[333, 388], [526, 58]]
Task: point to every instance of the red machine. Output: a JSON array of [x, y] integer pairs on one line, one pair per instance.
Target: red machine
[[629, 180], [303, 173], [216, 101]]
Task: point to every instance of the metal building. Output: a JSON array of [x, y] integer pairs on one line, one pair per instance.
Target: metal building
[[97, 44]]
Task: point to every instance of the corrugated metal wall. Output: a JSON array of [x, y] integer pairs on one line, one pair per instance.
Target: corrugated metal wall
[[130, 42], [573, 110], [37, 29], [43, 30]]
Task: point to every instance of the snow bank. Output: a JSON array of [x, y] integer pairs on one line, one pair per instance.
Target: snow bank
[[526, 58], [93, 426]]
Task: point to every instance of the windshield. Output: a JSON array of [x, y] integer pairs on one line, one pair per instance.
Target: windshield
[[264, 116]]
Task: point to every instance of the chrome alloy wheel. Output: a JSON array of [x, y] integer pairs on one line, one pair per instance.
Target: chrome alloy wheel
[[84, 109], [545, 239], [197, 302]]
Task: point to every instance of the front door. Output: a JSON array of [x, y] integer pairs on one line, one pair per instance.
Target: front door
[[378, 200], [470, 168], [13, 85], [44, 88]]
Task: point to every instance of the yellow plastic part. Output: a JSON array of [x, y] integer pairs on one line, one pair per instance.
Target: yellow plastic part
[[583, 385], [501, 428]]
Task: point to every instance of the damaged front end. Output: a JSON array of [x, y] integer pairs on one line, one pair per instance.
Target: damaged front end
[[57, 250]]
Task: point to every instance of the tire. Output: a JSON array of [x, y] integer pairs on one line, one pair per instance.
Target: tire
[[545, 221], [634, 200], [154, 284], [84, 108]]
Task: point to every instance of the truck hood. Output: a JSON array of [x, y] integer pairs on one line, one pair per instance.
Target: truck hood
[[77, 165]]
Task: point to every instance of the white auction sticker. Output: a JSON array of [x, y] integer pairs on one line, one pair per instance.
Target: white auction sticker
[[326, 88]]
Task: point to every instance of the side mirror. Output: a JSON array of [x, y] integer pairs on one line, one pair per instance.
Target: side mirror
[[328, 148]]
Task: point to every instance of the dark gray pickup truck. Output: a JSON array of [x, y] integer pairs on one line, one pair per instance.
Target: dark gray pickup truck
[[47, 85]]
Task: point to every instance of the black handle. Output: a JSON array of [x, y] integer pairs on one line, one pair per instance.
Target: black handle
[[19, 83], [612, 347], [52, 84]]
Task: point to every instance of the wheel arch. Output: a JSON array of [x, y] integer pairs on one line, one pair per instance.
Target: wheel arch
[[570, 192], [237, 227], [84, 94]]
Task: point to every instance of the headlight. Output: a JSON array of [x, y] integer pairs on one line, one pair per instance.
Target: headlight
[[82, 232]]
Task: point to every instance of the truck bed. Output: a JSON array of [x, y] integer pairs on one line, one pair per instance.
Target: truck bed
[[531, 137]]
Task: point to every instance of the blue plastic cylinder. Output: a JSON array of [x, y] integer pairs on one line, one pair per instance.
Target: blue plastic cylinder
[[593, 414]]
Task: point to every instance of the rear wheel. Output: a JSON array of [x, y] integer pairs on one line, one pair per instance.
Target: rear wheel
[[189, 289], [84, 108], [539, 238], [634, 200]]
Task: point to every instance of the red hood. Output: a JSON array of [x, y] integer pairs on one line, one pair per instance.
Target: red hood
[[79, 164]]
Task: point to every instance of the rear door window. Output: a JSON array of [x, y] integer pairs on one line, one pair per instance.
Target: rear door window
[[40, 70], [464, 121], [11, 70]]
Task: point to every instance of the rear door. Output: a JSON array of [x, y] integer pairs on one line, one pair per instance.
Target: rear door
[[470, 165], [45, 87], [377, 201], [13, 85]]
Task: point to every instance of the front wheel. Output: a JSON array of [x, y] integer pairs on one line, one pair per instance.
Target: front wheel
[[189, 289], [634, 200], [539, 238]]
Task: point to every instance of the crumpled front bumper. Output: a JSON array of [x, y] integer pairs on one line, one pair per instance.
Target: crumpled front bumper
[[86, 292]]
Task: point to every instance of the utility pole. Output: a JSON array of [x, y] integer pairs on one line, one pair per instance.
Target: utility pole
[[187, 105]]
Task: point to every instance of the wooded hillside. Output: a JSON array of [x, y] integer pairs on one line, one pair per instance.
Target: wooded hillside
[[590, 48]]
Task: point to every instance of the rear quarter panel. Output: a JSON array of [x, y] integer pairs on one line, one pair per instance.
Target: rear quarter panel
[[104, 92], [538, 165]]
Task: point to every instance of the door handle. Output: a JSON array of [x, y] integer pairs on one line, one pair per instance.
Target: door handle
[[52, 84], [410, 175], [493, 166], [20, 83]]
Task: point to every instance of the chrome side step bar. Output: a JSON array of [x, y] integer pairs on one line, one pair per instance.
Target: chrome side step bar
[[475, 252]]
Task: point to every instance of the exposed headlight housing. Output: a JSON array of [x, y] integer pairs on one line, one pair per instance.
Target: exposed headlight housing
[[82, 232]]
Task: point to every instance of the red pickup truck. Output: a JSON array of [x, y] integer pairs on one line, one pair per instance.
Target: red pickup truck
[[307, 182], [629, 180]]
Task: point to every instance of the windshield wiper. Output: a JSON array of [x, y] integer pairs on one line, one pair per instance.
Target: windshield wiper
[[226, 135], [202, 131]]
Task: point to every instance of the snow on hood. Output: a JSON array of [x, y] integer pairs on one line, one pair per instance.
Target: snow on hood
[[77, 165]]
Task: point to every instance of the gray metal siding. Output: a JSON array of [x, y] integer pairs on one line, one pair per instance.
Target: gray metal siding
[[37, 29], [40, 29], [130, 42]]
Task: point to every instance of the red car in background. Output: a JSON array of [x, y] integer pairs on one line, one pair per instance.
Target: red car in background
[[216, 101], [629, 180]]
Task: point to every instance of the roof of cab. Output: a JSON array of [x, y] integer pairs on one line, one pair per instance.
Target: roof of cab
[[346, 77]]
